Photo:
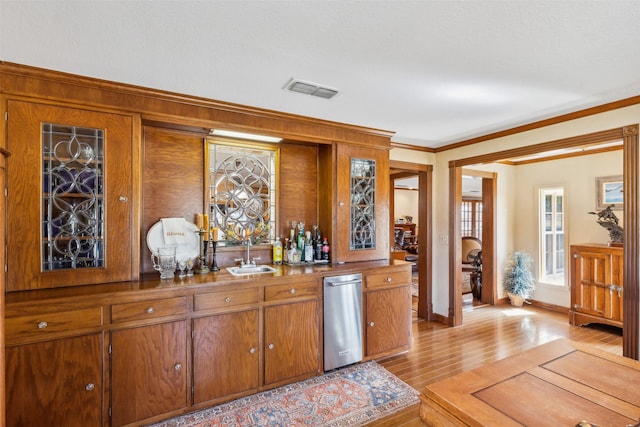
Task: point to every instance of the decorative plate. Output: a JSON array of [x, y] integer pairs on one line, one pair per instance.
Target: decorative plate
[[189, 249]]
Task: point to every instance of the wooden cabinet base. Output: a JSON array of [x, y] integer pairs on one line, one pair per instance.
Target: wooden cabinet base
[[597, 285], [57, 383], [580, 319], [146, 352]]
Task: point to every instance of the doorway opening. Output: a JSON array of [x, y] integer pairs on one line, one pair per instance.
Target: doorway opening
[[568, 147], [471, 231], [411, 229]]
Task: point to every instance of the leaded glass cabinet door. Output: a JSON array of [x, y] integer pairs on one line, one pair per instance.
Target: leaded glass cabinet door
[[69, 207], [362, 226]]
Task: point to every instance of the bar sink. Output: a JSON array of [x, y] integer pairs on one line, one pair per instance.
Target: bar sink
[[241, 271]]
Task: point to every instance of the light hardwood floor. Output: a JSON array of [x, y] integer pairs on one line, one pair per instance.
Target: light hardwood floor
[[488, 334]]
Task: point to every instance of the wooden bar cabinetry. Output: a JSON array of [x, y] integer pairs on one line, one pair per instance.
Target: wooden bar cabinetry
[[292, 347], [61, 218], [138, 349], [134, 353], [57, 382], [597, 285], [387, 299], [354, 206]]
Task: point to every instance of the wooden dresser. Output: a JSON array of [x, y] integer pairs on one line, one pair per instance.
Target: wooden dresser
[[597, 284]]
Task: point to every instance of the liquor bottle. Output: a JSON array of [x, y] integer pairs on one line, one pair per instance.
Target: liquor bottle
[[285, 249], [317, 254], [294, 254], [292, 232], [300, 240], [326, 249], [277, 251], [308, 248]]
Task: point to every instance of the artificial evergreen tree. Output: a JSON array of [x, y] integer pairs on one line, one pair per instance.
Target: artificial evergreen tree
[[518, 281]]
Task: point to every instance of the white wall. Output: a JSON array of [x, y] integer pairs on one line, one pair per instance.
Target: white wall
[[406, 203], [577, 176], [509, 234]]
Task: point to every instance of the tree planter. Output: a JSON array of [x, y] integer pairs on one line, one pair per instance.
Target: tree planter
[[518, 281], [516, 300]]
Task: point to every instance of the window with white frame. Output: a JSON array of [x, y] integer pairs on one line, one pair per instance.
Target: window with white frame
[[552, 232]]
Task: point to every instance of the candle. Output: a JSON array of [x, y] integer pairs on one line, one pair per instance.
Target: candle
[[205, 236], [199, 221], [214, 234]]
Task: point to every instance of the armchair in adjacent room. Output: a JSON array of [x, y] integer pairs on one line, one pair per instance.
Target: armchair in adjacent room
[[471, 250]]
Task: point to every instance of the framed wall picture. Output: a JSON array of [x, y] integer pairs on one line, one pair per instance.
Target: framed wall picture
[[609, 191]]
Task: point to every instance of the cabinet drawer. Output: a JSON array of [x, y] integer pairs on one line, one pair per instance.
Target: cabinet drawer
[[390, 278], [148, 309], [291, 290], [225, 299], [47, 323]]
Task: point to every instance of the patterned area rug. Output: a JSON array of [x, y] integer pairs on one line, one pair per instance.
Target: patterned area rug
[[353, 396]]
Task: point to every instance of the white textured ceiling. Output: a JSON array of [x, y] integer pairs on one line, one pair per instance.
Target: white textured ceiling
[[434, 72]]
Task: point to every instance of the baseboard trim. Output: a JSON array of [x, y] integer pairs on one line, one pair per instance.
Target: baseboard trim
[[441, 319], [551, 307]]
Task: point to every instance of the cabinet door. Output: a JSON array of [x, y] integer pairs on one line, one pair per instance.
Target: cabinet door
[[615, 303], [388, 320], [291, 336], [69, 207], [591, 283], [148, 371], [55, 383], [225, 355], [362, 211]]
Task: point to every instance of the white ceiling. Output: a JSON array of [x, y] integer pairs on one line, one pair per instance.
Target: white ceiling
[[435, 72]]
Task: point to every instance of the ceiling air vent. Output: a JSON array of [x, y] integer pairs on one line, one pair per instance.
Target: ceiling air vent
[[309, 88]]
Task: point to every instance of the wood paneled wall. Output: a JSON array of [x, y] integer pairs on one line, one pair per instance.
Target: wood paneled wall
[[172, 180], [173, 186], [298, 188]]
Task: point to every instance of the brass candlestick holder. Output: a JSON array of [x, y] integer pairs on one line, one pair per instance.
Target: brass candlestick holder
[[202, 268]]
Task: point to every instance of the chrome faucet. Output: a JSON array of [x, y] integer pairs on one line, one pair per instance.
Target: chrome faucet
[[251, 262]]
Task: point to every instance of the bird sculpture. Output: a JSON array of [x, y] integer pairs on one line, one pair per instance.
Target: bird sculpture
[[607, 219]]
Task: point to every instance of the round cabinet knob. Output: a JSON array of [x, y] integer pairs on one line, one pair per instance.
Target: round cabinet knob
[[177, 366], [271, 346], [372, 324], [292, 291], [150, 310], [42, 325], [89, 387], [388, 279], [252, 350], [227, 299], [123, 199]]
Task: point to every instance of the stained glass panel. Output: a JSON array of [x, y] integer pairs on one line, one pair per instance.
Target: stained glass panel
[[72, 197], [242, 193], [363, 198]]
